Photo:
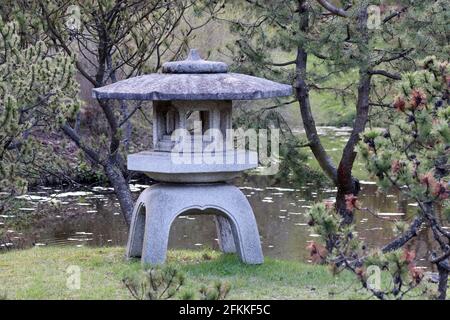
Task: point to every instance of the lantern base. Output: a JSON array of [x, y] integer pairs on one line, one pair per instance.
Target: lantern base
[[159, 205]]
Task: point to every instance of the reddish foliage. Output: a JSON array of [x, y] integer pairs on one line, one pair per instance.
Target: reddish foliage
[[351, 202], [415, 273], [329, 204], [317, 252], [409, 255], [360, 272], [418, 99], [440, 189], [396, 165], [399, 104], [435, 187]]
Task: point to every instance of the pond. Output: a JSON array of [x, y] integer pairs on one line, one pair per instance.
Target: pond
[[93, 218], [80, 218]]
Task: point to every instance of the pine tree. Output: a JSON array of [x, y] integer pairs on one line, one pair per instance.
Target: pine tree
[[38, 93], [112, 40], [354, 50], [410, 155]]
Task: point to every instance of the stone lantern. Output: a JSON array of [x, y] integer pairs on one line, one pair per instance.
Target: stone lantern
[[193, 97]]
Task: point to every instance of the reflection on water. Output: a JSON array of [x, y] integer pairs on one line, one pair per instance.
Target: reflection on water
[[86, 218]]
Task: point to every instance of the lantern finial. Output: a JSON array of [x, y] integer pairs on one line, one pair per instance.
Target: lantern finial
[[193, 55], [194, 64]]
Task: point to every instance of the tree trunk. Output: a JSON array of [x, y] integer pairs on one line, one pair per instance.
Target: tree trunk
[[346, 183], [123, 105], [120, 185], [302, 92], [342, 176], [128, 125], [443, 282]]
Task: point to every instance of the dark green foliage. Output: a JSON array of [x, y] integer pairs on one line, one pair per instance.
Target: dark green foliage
[[293, 167], [155, 283], [413, 148], [348, 57], [215, 291], [104, 41], [38, 92], [397, 276], [411, 154], [166, 282]]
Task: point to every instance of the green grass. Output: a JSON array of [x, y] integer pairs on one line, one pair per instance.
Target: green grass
[[41, 273]]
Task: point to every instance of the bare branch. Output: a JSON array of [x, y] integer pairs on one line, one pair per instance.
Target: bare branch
[[394, 14], [333, 9], [77, 139], [280, 105], [281, 64], [387, 74], [62, 43], [130, 115], [396, 56]]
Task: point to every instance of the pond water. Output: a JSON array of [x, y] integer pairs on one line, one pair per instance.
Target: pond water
[[80, 218], [92, 218]]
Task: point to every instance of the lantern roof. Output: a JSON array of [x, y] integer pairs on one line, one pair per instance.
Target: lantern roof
[[193, 79]]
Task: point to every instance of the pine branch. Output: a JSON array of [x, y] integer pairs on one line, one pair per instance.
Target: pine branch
[[394, 14], [394, 76], [405, 237]]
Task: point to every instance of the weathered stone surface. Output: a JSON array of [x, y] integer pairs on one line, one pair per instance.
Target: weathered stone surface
[[208, 86], [159, 205], [169, 116], [194, 64], [193, 79], [160, 166], [188, 186], [225, 234]]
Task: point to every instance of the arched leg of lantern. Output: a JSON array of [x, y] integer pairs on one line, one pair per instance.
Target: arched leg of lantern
[[137, 228], [243, 225], [224, 234], [236, 224]]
